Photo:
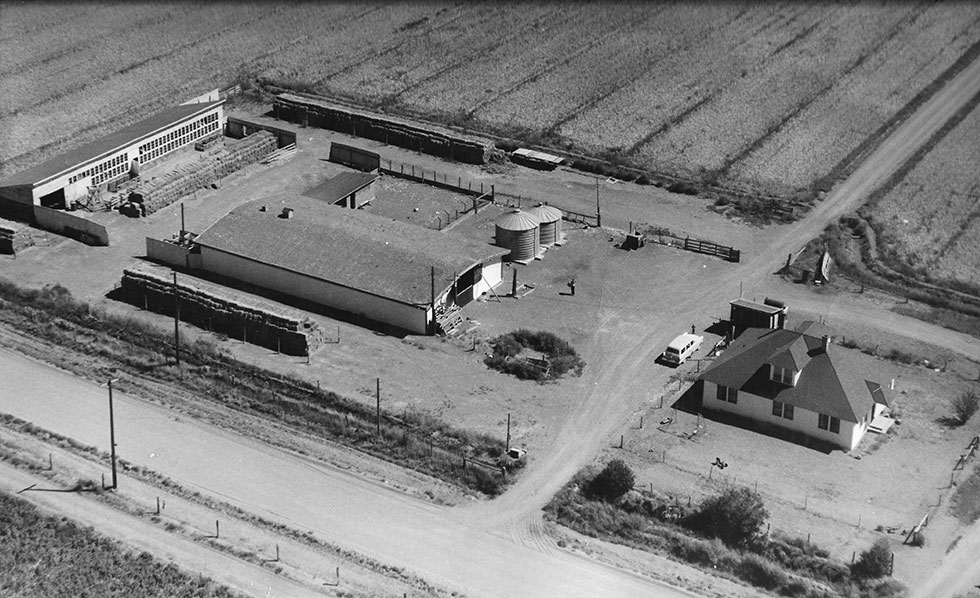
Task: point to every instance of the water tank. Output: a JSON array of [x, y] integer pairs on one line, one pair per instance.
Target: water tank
[[549, 231], [518, 231]]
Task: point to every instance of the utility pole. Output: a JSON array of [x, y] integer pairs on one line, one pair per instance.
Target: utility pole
[[377, 394], [183, 229], [507, 450], [176, 320], [112, 436], [598, 214]]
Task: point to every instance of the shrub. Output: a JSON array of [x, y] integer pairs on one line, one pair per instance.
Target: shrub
[[735, 516], [874, 562], [964, 406], [615, 480], [561, 357], [760, 572]]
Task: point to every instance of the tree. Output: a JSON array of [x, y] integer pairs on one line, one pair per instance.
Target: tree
[[735, 516], [964, 406], [615, 480], [874, 562]]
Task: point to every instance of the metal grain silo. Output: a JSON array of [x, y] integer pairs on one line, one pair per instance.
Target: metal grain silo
[[549, 231], [518, 231]]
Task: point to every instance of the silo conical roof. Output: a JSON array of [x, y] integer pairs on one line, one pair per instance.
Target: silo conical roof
[[517, 221], [545, 213]]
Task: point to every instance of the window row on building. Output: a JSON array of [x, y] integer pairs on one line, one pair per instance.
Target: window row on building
[[103, 170], [179, 137], [780, 409]]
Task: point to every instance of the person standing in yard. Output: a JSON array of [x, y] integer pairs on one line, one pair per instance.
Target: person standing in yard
[[571, 286]]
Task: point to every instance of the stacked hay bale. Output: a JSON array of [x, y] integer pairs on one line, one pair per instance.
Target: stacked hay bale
[[14, 236], [222, 310], [171, 186]]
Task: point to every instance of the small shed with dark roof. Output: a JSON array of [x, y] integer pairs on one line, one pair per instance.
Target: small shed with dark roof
[[347, 189], [384, 270]]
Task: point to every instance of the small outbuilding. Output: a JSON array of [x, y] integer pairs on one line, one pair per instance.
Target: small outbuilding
[[549, 229], [347, 189], [519, 232]]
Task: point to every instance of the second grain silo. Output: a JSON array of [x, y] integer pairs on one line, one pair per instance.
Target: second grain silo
[[518, 231], [549, 231]]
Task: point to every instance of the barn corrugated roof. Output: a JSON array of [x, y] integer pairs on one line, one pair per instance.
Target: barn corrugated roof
[[340, 186], [92, 152], [517, 220], [830, 382], [352, 248]]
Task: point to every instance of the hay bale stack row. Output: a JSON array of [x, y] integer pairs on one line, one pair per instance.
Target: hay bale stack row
[[170, 187], [221, 310], [14, 236], [421, 137]]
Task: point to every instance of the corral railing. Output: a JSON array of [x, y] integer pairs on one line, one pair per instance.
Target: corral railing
[[665, 237], [436, 179]]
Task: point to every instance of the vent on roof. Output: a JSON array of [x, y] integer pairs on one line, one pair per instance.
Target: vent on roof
[[287, 213]]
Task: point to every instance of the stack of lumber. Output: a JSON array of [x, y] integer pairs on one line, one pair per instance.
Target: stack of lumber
[[219, 309]]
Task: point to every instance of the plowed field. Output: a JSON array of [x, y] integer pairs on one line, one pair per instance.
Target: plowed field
[[766, 97]]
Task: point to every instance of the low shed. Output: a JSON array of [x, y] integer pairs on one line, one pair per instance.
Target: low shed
[[347, 189], [372, 267]]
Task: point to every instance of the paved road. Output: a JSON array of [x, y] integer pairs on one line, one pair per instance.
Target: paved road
[[494, 548]]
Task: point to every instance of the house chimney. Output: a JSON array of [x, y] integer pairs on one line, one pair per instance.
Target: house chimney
[[262, 208], [286, 213], [826, 343]]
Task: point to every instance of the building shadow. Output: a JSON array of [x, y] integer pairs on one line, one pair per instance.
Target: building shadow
[[690, 402]]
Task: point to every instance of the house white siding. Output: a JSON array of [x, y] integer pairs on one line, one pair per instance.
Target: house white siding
[[408, 317], [760, 409]]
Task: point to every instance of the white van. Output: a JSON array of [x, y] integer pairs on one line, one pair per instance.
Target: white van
[[681, 348]]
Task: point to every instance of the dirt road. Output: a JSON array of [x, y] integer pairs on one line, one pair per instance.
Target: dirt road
[[366, 517]]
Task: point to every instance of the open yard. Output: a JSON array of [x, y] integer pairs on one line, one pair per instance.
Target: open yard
[[778, 97]]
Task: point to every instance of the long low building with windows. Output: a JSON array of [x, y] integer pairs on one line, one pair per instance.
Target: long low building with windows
[[374, 268], [61, 180]]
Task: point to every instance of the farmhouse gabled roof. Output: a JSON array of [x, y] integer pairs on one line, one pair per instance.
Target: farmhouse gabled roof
[[352, 248], [104, 146], [830, 381], [334, 189]]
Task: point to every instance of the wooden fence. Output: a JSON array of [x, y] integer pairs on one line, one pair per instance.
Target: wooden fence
[[665, 237], [435, 179]]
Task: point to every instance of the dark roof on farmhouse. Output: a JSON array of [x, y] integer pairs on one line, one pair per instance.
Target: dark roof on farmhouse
[[340, 186], [830, 381], [105, 145], [352, 248]]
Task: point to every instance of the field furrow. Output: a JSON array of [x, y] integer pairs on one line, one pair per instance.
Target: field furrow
[[473, 84], [78, 35], [436, 50], [342, 38], [671, 88], [78, 70], [755, 105], [819, 137], [22, 22], [930, 222]]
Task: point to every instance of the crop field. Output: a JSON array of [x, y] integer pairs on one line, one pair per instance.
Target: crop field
[[52, 556], [929, 223], [760, 97]]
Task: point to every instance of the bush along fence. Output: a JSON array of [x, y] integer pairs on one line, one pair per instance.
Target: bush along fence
[[665, 237]]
